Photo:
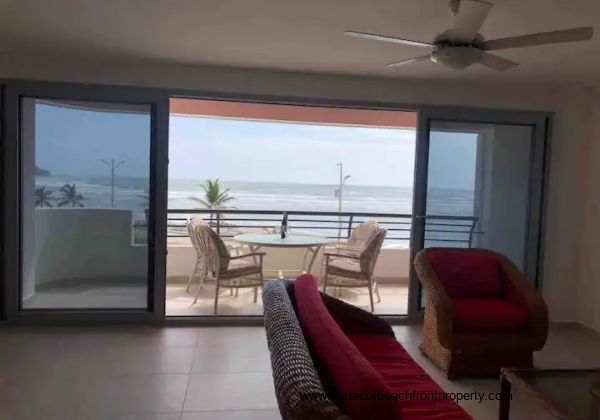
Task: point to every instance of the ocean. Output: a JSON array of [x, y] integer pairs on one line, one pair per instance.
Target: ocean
[[132, 194]]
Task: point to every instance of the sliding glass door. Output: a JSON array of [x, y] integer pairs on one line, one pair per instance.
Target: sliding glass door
[[85, 197], [88, 165], [480, 176]]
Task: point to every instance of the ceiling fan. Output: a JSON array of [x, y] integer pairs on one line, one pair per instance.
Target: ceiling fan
[[463, 45]]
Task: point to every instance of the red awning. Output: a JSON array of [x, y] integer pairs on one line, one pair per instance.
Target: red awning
[[293, 113]]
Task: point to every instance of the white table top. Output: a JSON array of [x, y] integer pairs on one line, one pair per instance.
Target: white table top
[[275, 241]]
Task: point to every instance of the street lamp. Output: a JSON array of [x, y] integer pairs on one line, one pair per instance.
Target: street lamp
[[339, 193], [113, 166]]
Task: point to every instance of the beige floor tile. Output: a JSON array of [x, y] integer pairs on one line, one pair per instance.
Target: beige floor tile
[[138, 394], [233, 415], [132, 360], [148, 416], [253, 337], [75, 361], [232, 358], [17, 338], [408, 335], [180, 336], [133, 373], [90, 395], [230, 391]]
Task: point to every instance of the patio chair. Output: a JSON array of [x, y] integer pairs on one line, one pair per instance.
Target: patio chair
[[199, 266], [229, 271], [361, 234], [354, 266], [356, 242]]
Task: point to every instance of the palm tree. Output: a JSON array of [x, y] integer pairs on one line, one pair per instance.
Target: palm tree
[[215, 196], [43, 197], [70, 196]]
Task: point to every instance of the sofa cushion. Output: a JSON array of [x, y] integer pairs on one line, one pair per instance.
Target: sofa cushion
[[467, 273], [488, 313], [405, 377], [338, 359]]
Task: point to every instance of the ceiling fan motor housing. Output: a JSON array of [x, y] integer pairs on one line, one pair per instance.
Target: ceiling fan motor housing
[[458, 57]]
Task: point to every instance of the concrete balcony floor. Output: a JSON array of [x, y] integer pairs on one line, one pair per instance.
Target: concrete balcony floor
[[394, 299]]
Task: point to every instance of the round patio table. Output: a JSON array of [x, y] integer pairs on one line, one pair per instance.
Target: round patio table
[[312, 243]]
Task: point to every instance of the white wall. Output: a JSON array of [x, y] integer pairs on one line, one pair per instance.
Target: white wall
[[84, 243], [588, 275], [502, 189], [569, 102], [566, 203]]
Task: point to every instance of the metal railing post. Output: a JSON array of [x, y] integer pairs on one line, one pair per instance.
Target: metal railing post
[[218, 223], [472, 231], [284, 221], [350, 225]]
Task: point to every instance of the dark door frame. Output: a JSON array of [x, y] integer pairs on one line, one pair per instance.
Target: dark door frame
[[159, 98], [14, 91], [539, 162]]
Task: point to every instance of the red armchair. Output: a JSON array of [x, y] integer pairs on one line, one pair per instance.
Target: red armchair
[[480, 312]]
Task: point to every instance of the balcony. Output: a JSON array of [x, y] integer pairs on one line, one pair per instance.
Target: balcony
[[391, 271]]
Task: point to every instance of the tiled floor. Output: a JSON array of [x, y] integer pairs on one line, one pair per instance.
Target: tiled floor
[[189, 373], [394, 300]]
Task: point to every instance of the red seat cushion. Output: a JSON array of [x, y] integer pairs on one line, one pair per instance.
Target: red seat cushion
[[403, 375], [488, 313], [345, 367], [467, 273]]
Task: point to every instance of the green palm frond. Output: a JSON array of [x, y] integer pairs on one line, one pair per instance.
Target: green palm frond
[[201, 201], [215, 196], [43, 197], [70, 196]]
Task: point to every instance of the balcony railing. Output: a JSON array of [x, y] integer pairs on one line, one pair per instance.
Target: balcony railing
[[457, 231]]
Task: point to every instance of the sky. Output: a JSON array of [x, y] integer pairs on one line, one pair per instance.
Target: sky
[[452, 158], [239, 150], [74, 141]]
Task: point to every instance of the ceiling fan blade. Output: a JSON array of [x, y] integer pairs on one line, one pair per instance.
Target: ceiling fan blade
[[495, 62], [408, 61], [391, 39], [542, 38], [468, 20]]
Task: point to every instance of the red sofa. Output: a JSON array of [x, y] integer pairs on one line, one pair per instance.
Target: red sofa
[[322, 346]]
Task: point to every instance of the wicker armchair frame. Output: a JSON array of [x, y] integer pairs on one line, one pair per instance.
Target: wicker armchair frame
[[478, 353]]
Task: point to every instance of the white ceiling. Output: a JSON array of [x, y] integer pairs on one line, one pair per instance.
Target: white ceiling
[[299, 35]]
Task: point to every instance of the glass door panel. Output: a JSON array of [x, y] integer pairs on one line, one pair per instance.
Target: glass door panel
[[478, 187], [85, 202], [480, 181]]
